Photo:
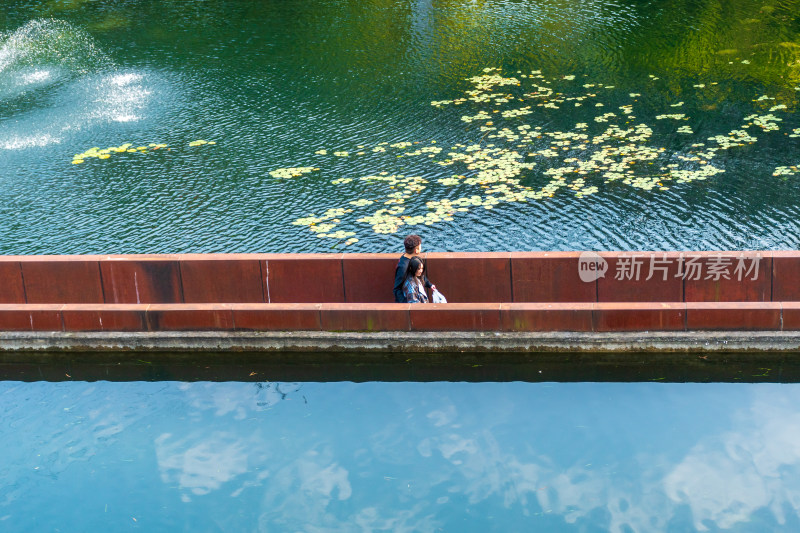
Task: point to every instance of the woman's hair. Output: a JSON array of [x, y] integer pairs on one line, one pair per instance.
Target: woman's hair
[[413, 266], [411, 242]]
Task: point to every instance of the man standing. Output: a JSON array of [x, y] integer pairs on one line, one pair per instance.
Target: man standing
[[413, 246]]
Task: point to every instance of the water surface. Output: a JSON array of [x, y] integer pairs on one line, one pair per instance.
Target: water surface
[[289, 84], [273, 83], [399, 456]]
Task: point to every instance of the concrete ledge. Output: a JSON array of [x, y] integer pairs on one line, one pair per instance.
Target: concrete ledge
[[347, 347]]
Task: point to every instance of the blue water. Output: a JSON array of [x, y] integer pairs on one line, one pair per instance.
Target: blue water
[[236, 457]]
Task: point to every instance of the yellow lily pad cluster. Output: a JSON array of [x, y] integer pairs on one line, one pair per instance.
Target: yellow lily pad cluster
[[513, 157], [786, 171], [105, 153], [323, 225], [291, 172], [765, 122]]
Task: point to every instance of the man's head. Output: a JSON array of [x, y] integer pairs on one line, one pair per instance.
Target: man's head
[[413, 244]]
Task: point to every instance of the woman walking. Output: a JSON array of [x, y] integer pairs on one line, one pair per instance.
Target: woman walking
[[414, 282]]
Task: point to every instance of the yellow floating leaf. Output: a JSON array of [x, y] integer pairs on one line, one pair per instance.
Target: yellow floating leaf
[[291, 172]]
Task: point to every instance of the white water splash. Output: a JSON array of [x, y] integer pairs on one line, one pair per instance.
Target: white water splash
[[19, 143], [56, 81], [51, 41], [120, 98], [37, 76]]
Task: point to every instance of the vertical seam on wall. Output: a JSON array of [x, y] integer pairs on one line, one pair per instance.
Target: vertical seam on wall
[[266, 281], [685, 317], [344, 288], [180, 282], [685, 303], [24, 289], [683, 299], [102, 288], [596, 283], [233, 316], [511, 275], [135, 287], [772, 284], [683, 287], [61, 315]]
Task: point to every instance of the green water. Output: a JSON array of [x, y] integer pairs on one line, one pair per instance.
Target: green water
[[290, 84]]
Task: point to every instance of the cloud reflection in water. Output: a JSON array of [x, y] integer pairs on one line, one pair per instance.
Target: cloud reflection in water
[[407, 456]]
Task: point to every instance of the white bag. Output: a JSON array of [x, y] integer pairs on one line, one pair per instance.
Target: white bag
[[438, 297]]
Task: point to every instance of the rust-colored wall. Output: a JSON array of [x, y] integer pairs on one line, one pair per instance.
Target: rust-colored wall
[[550, 277], [519, 291], [520, 317]]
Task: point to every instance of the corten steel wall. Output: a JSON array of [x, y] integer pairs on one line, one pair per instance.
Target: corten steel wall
[[519, 291]]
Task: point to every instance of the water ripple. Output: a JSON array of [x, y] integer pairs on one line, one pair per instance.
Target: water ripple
[[300, 78]]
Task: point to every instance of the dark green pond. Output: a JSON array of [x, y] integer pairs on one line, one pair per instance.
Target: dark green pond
[[617, 125]]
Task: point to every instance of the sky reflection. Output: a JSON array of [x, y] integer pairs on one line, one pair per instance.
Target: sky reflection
[[614, 457]]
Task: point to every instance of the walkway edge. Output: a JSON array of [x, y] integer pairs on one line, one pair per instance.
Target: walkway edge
[[399, 342]]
